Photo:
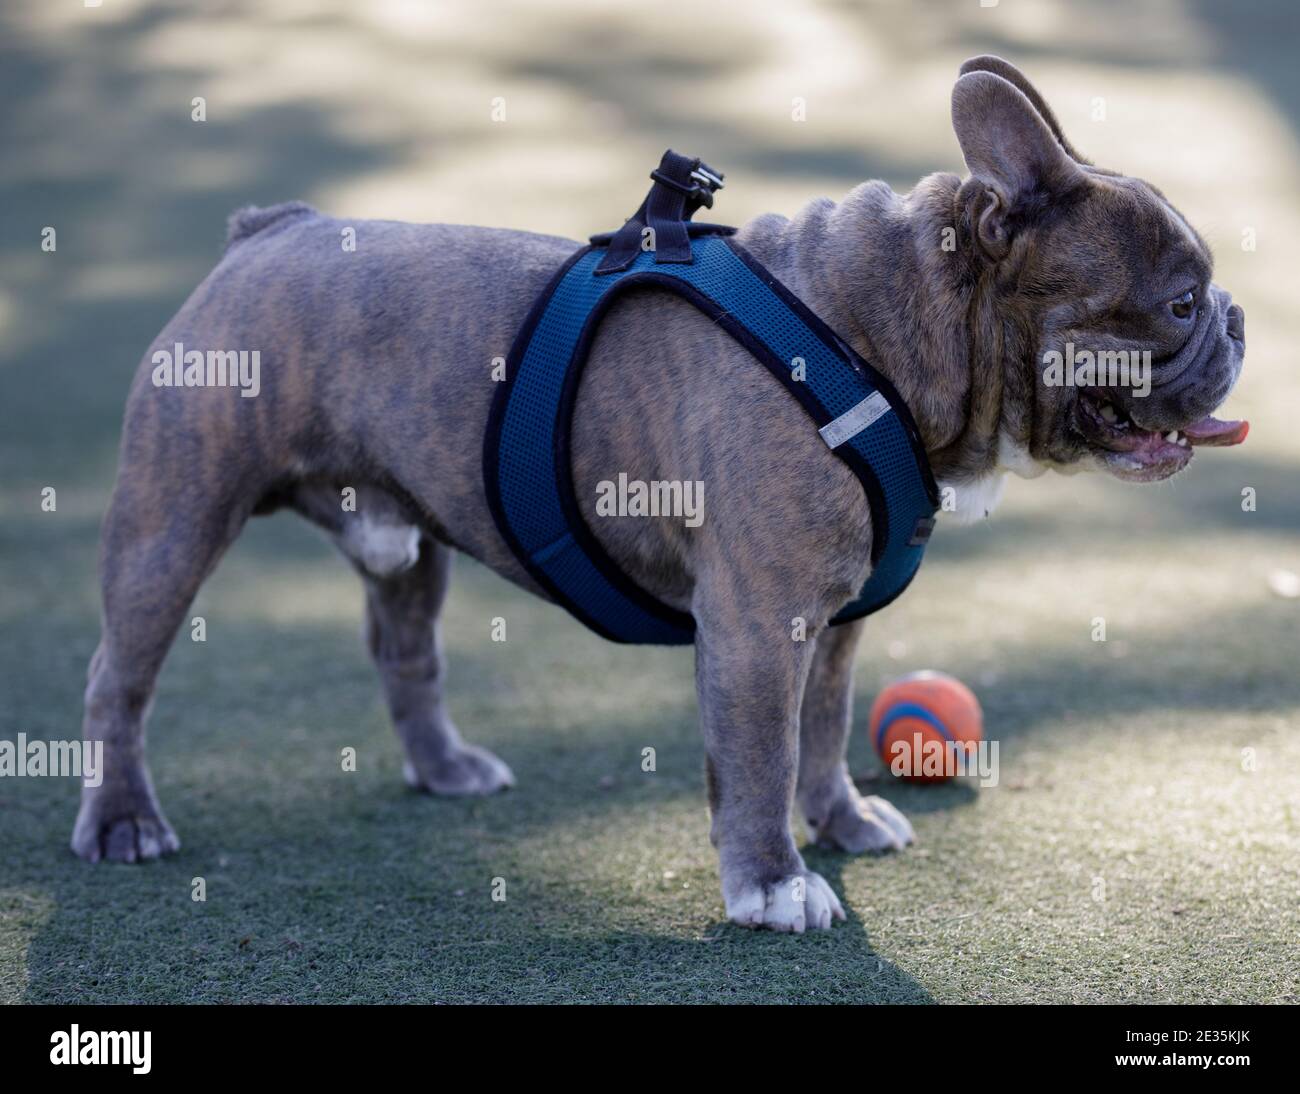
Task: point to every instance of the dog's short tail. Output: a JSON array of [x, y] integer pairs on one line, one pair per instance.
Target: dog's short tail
[[251, 219]]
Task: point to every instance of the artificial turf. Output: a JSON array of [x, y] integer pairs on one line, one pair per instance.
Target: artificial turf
[[1127, 853]]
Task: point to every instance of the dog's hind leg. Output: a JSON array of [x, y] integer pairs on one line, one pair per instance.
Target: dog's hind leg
[[403, 636], [835, 812], [161, 538]]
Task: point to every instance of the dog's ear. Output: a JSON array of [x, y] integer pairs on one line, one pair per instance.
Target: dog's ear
[[1018, 167], [996, 65]]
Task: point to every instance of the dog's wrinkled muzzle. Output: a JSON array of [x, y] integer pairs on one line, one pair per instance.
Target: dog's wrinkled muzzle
[[1144, 438], [1188, 387]]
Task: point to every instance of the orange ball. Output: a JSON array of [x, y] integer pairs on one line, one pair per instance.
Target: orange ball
[[921, 721]]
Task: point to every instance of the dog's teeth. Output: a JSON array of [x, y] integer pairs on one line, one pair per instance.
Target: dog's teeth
[[1182, 440], [1108, 412], [1172, 436]]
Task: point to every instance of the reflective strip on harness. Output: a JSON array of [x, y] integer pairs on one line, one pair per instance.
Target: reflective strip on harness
[[852, 422]]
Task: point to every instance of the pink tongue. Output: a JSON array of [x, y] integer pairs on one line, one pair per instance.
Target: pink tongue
[[1211, 431]]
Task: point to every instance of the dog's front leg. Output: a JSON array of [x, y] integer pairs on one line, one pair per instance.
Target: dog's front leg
[[836, 814], [750, 677]]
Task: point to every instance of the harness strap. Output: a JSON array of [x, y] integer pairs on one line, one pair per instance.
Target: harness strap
[[527, 459]]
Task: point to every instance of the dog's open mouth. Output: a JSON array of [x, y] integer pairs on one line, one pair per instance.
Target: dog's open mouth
[[1147, 455]]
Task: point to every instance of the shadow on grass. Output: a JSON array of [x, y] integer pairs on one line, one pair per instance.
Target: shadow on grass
[[327, 888], [347, 888]]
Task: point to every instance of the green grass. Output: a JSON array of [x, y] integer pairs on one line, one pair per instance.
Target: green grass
[[333, 886], [1121, 762]]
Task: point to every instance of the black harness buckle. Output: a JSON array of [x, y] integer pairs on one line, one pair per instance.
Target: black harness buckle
[[706, 180]]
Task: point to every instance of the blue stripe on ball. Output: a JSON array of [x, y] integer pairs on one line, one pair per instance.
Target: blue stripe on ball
[[908, 710]]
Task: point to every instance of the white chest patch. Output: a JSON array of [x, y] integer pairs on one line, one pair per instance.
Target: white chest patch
[[1015, 458], [968, 502], [974, 500]]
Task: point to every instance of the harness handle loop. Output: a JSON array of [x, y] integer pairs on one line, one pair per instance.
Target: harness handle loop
[[681, 186]]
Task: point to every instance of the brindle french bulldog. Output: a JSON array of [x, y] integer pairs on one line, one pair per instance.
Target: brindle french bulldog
[[377, 375]]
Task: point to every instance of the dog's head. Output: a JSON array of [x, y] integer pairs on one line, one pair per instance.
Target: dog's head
[[1119, 345]]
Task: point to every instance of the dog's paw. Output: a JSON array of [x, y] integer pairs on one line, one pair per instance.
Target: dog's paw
[[468, 770], [129, 832], [857, 824], [800, 902]]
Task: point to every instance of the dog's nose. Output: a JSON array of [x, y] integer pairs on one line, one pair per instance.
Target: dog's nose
[[1237, 323]]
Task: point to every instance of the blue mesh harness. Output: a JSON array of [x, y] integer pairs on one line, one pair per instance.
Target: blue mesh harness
[[526, 459]]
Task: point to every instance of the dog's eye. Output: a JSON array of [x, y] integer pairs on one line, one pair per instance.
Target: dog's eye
[[1182, 306]]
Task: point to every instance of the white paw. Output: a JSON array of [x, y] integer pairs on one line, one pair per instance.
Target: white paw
[[800, 902], [858, 824], [885, 812]]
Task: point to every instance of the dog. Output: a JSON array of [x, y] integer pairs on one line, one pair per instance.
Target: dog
[[377, 364]]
